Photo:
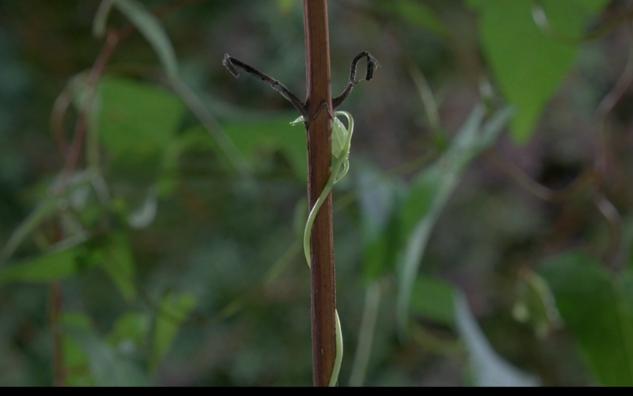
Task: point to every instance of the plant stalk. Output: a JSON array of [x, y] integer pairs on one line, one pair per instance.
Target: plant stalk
[[319, 106]]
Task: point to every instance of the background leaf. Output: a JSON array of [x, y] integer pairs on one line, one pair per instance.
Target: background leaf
[[529, 65], [597, 307], [440, 302], [416, 13], [173, 311], [107, 366], [488, 368], [258, 138], [52, 266], [429, 195], [434, 299], [137, 121], [379, 198], [118, 262], [153, 32]]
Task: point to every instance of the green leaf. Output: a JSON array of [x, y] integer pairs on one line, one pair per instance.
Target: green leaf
[[76, 360], [488, 368], [137, 121], [379, 197], [430, 193], [49, 204], [53, 266], [131, 328], [415, 13], [439, 301], [597, 308], [117, 262], [151, 29], [434, 299], [173, 311], [267, 135], [285, 6], [529, 64], [108, 367]]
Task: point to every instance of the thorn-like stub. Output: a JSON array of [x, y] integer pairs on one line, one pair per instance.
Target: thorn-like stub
[[372, 65], [227, 62]]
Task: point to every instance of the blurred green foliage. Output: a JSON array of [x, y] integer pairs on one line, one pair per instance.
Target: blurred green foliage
[[465, 255]]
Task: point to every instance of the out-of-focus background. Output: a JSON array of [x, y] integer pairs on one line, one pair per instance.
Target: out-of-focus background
[[152, 206]]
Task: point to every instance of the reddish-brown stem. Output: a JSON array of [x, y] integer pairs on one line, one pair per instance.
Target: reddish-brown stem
[[319, 104], [97, 71]]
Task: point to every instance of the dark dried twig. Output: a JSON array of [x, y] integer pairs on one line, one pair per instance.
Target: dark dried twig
[[232, 64], [372, 64]]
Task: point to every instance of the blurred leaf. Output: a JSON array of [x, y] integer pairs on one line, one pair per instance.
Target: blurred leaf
[[89, 361], [173, 311], [285, 6], [76, 361], [434, 299], [535, 304], [529, 64], [253, 138], [145, 214], [107, 366], [488, 368], [416, 13], [200, 109], [48, 205], [137, 121], [430, 193], [150, 28], [439, 301], [379, 198], [130, 331], [117, 262], [56, 265], [597, 307], [45, 209]]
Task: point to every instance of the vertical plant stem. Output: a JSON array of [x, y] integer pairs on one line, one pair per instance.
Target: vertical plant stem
[[59, 371], [319, 157], [366, 334]]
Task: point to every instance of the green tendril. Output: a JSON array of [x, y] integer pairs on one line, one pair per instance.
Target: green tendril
[[341, 146]]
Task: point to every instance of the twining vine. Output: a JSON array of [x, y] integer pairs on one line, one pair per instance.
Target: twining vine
[[341, 140]]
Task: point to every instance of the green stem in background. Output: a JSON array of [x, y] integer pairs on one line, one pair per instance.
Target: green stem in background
[[197, 107], [428, 99], [150, 28], [56, 312], [366, 334]]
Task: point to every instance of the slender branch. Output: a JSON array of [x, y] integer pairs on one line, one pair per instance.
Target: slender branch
[[82, 125], [232, 64], [372, 65], [212, 126]]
